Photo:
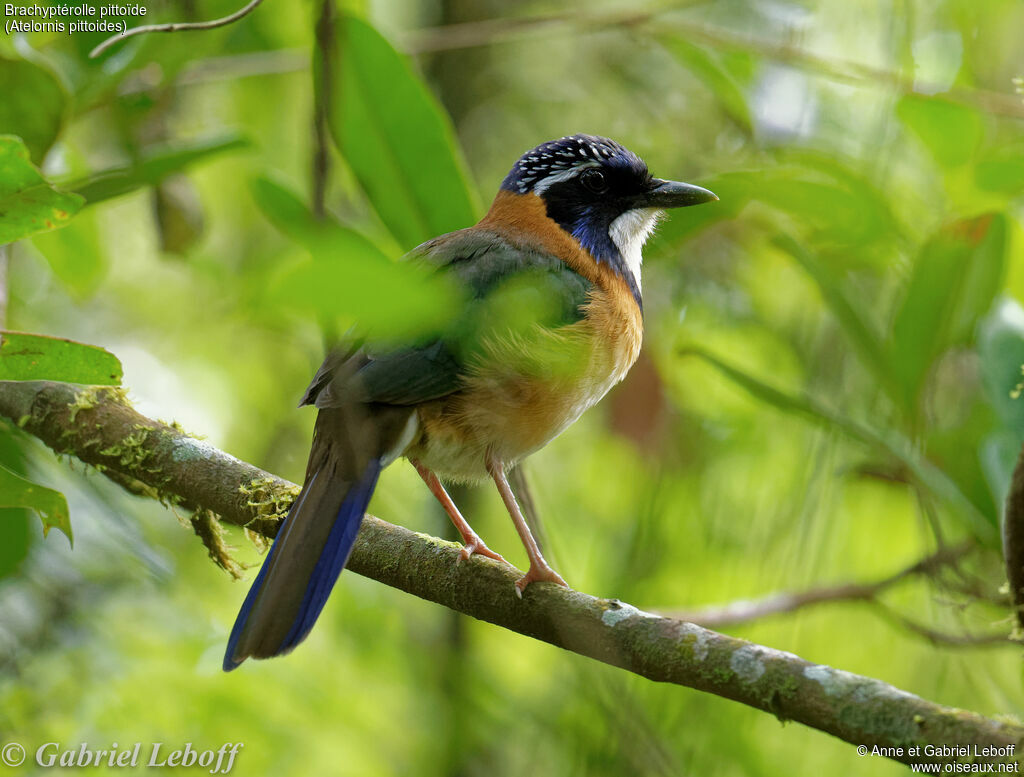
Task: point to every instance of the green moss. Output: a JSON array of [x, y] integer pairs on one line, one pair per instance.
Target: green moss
[[721, 674], [260, 542], [1007, 718], [695, 639], [786, 684], [131, 452], [438, 544], [76, 437], [93, 396], [881, 719], [179, 429], [209, 530], [270, 499], [134, 455]]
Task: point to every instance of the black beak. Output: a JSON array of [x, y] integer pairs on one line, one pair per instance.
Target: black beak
[[673, 194]]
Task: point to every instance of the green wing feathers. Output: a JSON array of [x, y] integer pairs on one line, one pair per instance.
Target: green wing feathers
[[512, 293]]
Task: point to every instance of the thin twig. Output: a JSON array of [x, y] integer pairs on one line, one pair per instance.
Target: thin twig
[[175, 27], [739, 612], [787, 602], [231, 67], [490, 31], [322, 94], [92, 424], [943, 638]]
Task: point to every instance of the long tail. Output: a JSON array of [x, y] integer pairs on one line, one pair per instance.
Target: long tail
[[314, 542]]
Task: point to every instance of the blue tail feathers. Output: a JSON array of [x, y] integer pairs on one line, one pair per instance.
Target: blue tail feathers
[[332, 559]]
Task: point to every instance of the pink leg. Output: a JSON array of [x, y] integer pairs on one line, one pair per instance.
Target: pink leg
[[539, 570], [473, 543]]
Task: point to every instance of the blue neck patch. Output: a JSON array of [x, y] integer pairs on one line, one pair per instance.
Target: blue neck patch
[[595, 239]]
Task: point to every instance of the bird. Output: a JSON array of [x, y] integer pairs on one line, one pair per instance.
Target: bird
[[550, 319]]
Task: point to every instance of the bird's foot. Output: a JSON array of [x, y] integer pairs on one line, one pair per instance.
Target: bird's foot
[[539, 573], [475, 545]]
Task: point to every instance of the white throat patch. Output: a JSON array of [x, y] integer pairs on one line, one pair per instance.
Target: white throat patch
[[630, 231]]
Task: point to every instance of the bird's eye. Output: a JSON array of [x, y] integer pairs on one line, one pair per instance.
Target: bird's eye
[[594, 181]]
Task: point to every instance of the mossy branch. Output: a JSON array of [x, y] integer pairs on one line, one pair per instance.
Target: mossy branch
[[100, 428], [1013, 539]]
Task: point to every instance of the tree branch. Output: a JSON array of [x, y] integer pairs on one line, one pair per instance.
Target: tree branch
[[176, 27], [745, 611], [100, 428], [658, 21], [1013, 539]]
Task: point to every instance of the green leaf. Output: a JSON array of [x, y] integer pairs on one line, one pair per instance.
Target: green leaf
[[827, 202], [986, 241], [179, 215], [396, 138], [33, 104], [734, 192], [827, 210], [954, 280], [1002, 172], [830, 199], [15, 539], [1001, 348], [889, 442], [348, 276], [861, 331], [154, 166], [290, 215], [28, 203], [16, 536], [998, 454], [75, 255], [50, 505], [950, 131], [37, 357], [705, 67]]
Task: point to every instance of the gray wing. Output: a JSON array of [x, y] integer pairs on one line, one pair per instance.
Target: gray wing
[[505, 286]]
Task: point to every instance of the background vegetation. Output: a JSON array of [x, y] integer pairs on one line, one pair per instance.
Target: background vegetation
[[826, 393]]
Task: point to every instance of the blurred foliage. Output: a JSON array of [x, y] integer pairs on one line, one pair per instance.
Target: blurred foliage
[[416, 300], [33, 105], [396, 139], [150, 170], [50, 505], [831, 353], [28, 203]]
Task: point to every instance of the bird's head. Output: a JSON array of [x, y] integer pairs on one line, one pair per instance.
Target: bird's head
[[603, 195]]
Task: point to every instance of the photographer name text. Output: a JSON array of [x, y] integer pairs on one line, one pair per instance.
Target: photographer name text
[[219, 761]]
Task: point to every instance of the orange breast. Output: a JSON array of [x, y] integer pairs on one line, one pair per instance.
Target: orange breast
[[612, 312], [526, 390]]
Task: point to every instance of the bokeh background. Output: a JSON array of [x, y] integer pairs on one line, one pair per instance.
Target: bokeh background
[[825, 394]]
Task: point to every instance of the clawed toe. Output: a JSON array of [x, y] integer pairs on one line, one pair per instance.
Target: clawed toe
[[539, 574], [477, 547]]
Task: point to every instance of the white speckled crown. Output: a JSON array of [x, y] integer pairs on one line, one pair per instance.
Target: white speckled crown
[[555, 160]]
